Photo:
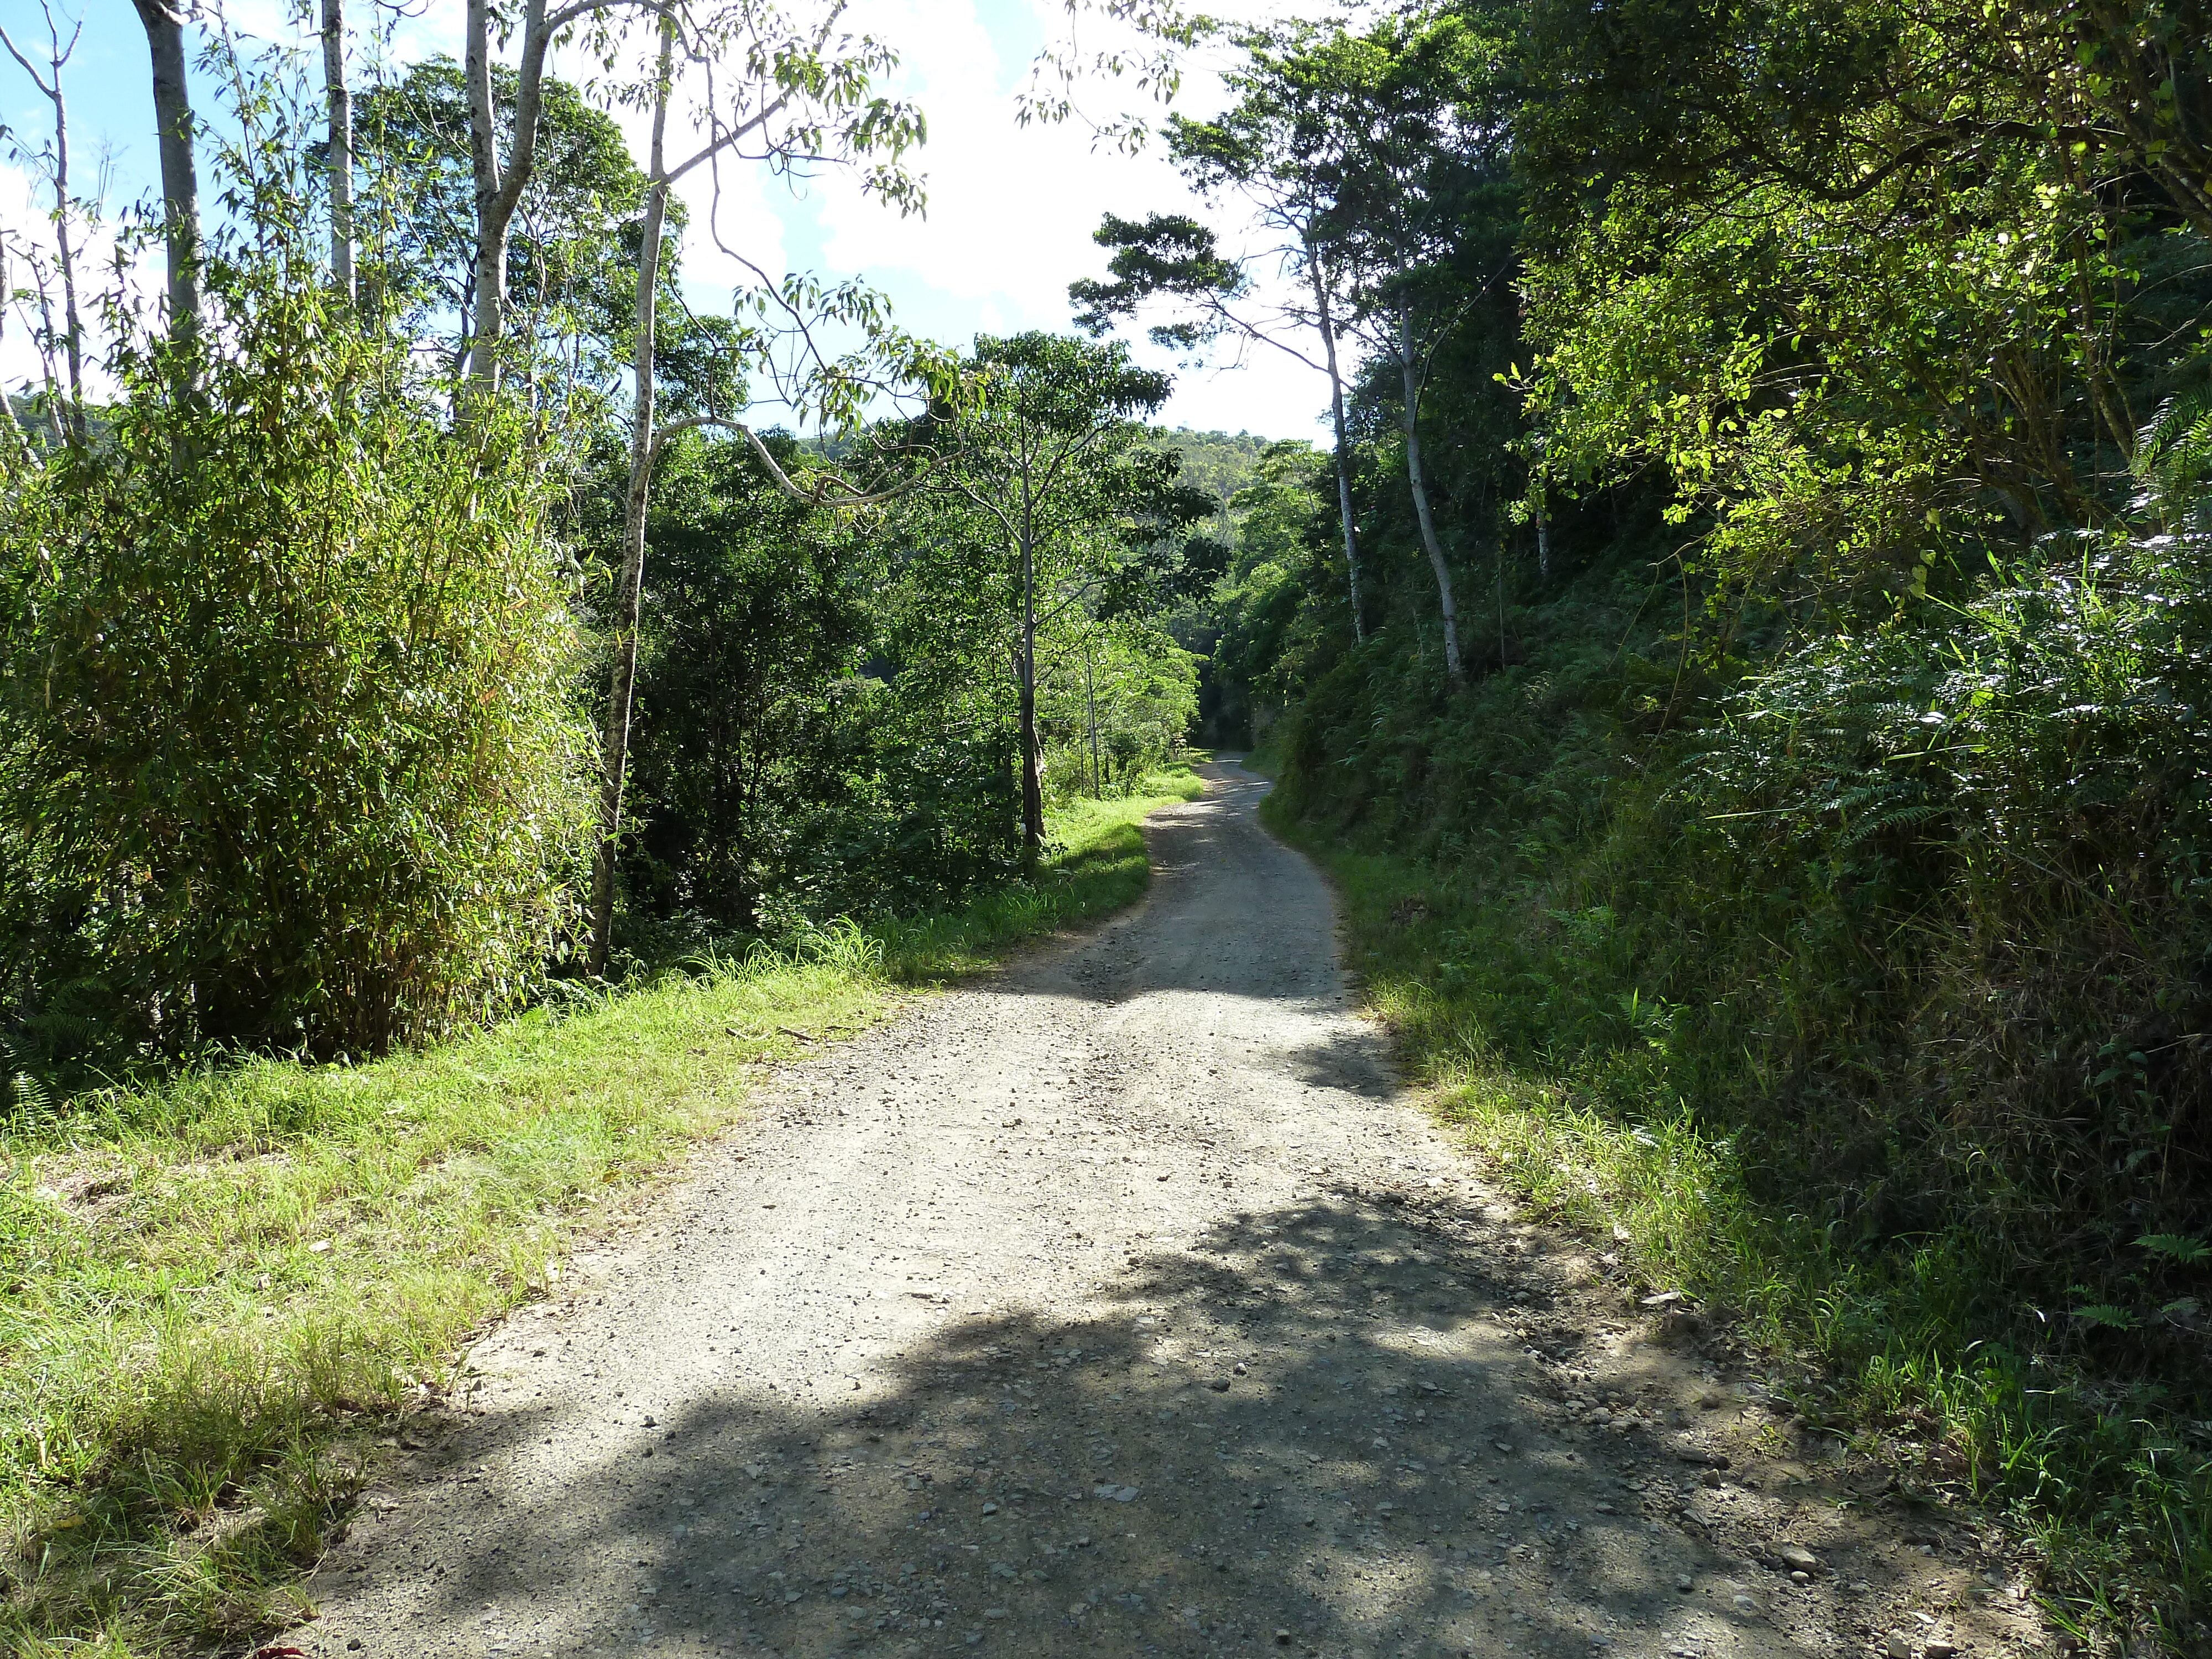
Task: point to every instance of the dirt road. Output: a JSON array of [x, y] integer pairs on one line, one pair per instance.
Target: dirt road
[[1122, 1304]]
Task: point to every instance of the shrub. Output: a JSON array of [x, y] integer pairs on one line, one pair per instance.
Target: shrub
[[289, 751]]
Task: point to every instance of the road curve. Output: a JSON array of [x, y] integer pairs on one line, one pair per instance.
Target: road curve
[[1118, 1303]]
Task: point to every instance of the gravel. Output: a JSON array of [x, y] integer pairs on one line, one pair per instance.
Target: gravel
[[1124, 1302]]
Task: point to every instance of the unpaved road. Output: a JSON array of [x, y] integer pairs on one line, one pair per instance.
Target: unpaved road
[[1122, 1303]]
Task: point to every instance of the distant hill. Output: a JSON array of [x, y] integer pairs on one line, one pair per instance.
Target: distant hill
[[1219, 463]]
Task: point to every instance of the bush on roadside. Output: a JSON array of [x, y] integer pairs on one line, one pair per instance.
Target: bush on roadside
[[289, 749]]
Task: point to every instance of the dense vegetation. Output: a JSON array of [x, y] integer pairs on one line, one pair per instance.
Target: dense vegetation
[[307, 629], [1743, 650], [1762, 730]]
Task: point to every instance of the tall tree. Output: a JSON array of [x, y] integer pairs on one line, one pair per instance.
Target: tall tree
[[804, 94], [1279, 150], [339, 100], [572, 257], [499, 180], [1426, 99], [180, 183], [57, 56], [1053, 461]]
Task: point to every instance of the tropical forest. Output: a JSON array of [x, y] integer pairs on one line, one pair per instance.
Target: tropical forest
[[896, 826]]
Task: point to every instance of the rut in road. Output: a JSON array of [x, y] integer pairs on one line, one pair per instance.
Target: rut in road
[[1116, 1303]]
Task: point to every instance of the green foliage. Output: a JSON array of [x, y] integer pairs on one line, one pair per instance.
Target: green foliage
[[288, 747], [1114, 707], [1810, 882], [1864, 1011], [571, 264], [820, 731]]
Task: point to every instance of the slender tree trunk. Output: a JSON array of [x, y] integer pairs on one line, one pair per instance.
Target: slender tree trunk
[[1090, 698], [1453, 668], [498, 188], [629, 587], [1032, 761], [72, 328], [339, 100], [1327, 324], [180, 187], [1543, 540], [51, 84]]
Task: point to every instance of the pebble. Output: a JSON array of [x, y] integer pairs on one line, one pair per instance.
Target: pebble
[[1897, 1647], [1940, 1650], [1798, 1559]]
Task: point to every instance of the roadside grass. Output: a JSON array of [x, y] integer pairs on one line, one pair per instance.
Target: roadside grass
[[1892, 1350], [216, 1293]]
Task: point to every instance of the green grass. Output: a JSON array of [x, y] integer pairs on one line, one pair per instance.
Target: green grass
[[1889, 1349], [214, 1293]]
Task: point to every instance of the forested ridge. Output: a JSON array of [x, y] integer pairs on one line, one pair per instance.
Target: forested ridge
[[1739, 645]]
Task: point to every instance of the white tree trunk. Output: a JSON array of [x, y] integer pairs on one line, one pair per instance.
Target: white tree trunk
[[72, 329], [339, 99], [180, 187], [1453, 667], [498, 185], [1327, 326]]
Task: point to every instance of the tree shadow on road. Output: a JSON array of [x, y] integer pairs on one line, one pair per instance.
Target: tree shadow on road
[[1317, 1430]]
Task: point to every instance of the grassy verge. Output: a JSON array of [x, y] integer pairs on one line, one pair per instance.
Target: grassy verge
[[1888, 1348], [213, 1293]]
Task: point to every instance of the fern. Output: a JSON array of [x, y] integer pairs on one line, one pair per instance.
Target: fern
[[2189, 1252], [2173, 458]]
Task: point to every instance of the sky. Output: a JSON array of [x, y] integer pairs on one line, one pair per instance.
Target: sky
[[1008, 225]]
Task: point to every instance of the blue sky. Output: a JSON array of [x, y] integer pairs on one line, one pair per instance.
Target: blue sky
[[1010, 215]]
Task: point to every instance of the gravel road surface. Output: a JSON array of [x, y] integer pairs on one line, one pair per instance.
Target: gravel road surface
[[1122, 1302]]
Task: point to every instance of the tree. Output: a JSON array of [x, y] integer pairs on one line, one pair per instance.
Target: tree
[[573, 242], [1281, 152], [181, 186], [49, 84], [499, 182], [1365, 148], [1422, 97], [802, 94], [339, 100], [752, 626], [1053, 462]]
